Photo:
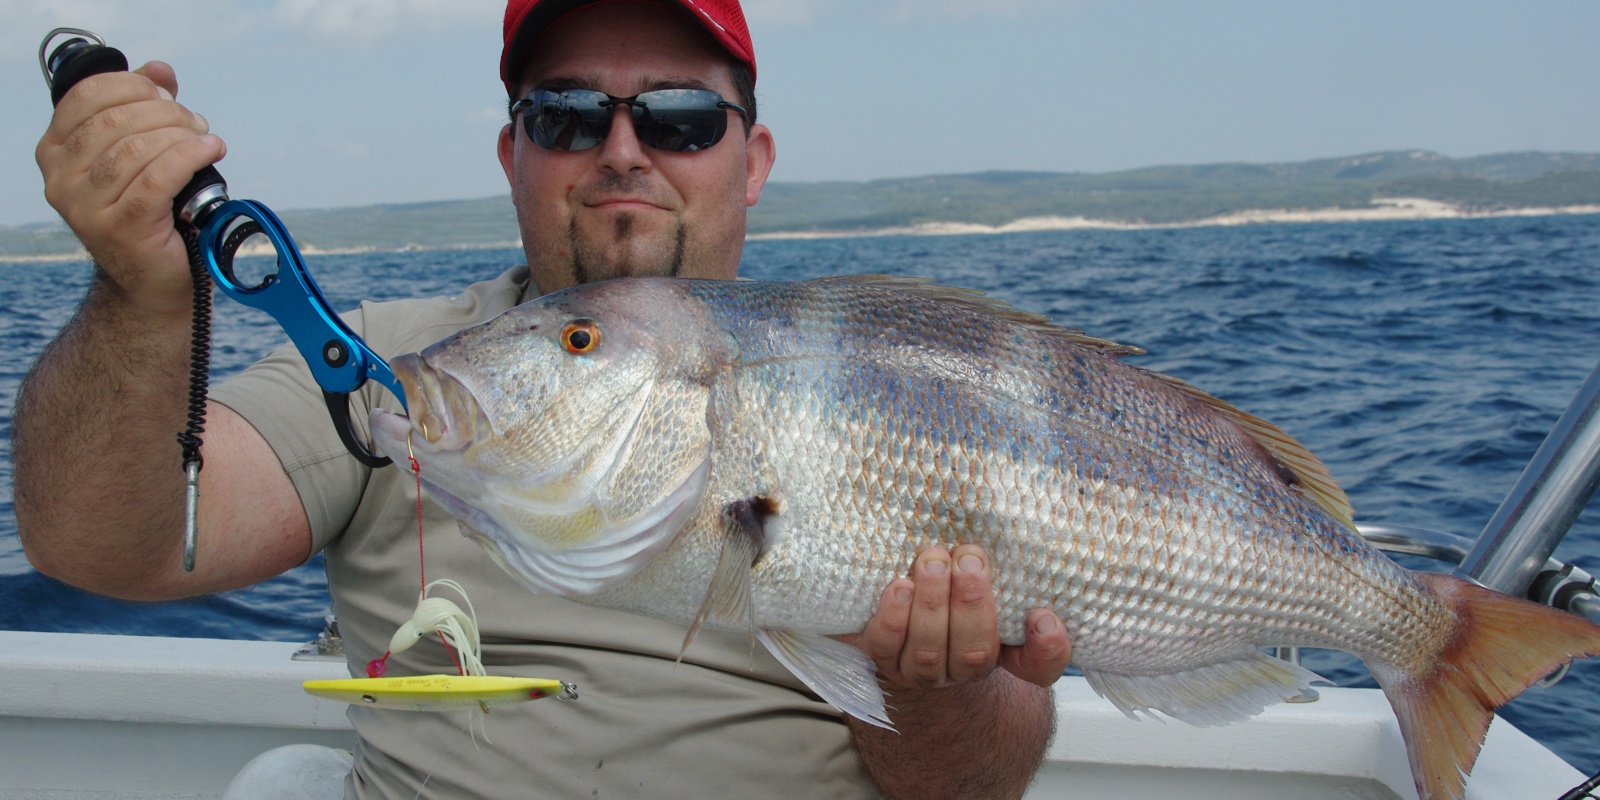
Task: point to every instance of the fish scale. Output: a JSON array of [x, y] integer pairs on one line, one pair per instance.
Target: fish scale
[[771, 455], [791, 397]]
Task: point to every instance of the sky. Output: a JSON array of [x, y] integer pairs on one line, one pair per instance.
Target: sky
[[327, 103]]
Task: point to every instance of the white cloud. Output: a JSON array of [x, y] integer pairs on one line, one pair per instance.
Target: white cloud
[[488, 115], [802, 13], [369, 20], [166, 25], [910, 10], [172, 27], [785, 13]]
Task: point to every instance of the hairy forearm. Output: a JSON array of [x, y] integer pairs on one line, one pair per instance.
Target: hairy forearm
[[98, 481], [980, 740]]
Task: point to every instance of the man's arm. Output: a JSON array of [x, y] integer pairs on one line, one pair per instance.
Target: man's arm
[[99, 487], [965, 729]]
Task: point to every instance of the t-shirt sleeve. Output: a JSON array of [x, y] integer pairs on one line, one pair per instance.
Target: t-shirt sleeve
[[280, 398]]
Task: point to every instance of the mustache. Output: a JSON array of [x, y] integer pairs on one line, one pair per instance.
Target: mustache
[[611, 185]]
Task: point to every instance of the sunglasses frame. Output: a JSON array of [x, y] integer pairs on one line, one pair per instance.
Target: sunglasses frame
[[588, 128]]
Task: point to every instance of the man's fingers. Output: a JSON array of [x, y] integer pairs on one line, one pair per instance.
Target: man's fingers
[[160, 73], [974, 632], [108, 134], [885, 634], [941, 626], [924, 660], [1046, 652], [94, 96]]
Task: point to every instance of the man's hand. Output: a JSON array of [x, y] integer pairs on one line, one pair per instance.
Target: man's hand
[[938, 627], [118, 150], [963, 728], [96, 479]]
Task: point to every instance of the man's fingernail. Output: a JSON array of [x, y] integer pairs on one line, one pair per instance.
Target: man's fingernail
[[970, 563], [1046, 624], [936, 566], [204, 125], [902, 595]]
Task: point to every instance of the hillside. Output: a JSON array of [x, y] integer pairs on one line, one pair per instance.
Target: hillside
[[1153, 195]]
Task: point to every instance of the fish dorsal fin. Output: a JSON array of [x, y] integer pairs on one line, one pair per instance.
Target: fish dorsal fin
[[977, 301], [1312, 475], [1315, 480]]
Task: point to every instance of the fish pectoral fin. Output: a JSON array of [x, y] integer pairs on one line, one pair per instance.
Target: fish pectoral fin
[[1215, 694], [727, 601], [837, 672]]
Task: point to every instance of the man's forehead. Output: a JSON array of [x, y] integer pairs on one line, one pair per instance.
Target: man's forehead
[[637, 84]]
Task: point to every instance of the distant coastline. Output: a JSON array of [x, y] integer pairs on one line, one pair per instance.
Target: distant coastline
[[1384, 209], [1396, 185], [309, 250], [1387, 209]]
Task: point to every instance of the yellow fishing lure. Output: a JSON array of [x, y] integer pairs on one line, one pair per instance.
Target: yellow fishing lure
[[475, 689], [440, 692]]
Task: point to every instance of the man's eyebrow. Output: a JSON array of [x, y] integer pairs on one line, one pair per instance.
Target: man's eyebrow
[[566, 82], [592, 83]]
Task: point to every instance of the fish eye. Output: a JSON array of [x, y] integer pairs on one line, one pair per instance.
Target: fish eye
[[580, 337]]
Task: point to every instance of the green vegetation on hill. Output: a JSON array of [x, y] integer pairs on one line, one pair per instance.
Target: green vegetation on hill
[[1156, 195], [1553, 189], [448, 223], [28, 241], [1171, 194], [1166, 194]]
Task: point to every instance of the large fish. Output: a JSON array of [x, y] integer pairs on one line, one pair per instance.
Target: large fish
[[770, 456]]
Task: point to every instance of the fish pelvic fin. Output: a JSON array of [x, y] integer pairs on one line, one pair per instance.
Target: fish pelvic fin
[[727, 601], [1500, 647], [837, 672], [1207, 696]]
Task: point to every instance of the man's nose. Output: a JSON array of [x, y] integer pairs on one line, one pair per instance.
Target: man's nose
[[622, 151]]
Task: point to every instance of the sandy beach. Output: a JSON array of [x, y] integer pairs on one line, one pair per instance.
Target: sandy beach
[[1384, 208]]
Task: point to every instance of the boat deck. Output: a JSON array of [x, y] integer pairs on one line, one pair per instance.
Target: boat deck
[[87, 717]]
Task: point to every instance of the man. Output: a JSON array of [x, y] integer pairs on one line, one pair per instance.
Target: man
[[611, 199]]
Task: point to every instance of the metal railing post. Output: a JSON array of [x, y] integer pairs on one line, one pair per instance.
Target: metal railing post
[[1545, 501]]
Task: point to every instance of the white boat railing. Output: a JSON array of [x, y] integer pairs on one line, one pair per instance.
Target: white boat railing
[[95, 717]]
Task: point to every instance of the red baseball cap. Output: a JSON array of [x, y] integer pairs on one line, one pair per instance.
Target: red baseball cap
[[526, 19]]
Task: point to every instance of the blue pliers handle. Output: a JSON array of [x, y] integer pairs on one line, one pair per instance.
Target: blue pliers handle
[[340, 361]]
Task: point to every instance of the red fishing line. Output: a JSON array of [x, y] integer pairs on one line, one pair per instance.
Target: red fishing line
[[378, 667]]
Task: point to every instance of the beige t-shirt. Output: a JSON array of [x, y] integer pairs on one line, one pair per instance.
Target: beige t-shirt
[[728, 721]]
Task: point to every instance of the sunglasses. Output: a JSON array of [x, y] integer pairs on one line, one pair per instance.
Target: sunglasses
[[679, 120]]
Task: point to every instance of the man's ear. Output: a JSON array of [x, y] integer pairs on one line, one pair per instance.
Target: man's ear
[[507, 148], [759, 153]]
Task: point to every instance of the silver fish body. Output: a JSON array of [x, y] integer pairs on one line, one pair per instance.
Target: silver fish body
[[772, 455]]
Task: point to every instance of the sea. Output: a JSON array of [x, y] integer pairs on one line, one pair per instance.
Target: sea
[[1423, 361]]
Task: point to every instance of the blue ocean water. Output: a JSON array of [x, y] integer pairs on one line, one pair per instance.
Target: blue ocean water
[[1423, 361]]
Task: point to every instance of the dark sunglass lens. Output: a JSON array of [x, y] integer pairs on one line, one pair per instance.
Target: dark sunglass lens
[[570, 120], [679, 120]]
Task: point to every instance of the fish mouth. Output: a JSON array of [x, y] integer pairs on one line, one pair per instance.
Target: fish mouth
[[444, 415]]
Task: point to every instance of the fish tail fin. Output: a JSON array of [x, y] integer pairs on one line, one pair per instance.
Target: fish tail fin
[[1500, 646]]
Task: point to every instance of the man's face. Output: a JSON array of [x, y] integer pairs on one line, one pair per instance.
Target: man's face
[[622, 208]]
